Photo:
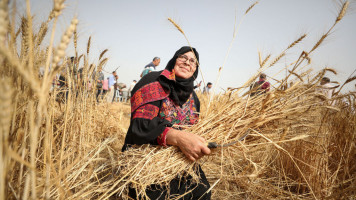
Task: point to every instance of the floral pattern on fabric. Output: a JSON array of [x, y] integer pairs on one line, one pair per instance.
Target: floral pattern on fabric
[[146, 111], [149, 93], [185, 115], [169, 75]]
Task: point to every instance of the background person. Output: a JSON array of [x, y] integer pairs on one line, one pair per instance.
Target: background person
[[151, 66], [132, 87], [326, 87], [159, 101], [105, 88], [111, 89], [261, 86], [99, 83], [207, 88]]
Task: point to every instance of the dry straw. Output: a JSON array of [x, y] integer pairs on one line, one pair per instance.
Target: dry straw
[[61, 144]]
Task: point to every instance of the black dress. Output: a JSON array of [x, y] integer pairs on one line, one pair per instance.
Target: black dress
[[153, 112]]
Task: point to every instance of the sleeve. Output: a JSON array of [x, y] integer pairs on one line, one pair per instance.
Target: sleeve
[[146, 126]]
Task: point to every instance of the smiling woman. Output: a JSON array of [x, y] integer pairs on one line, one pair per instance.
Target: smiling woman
[[162, 104], [186, 65]]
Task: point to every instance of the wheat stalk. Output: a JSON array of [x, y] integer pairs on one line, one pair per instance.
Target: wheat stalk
[[342, 11], [60, 52], [75, 42], [103, 53], [41, 33], [273, 62], [176, 25], [265, 61], [88, 45], [297, 41], [3, 20], [249, 8], [58, 7], [5, 121]]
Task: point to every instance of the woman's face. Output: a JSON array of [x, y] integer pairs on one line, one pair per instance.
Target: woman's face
[[186, 65]]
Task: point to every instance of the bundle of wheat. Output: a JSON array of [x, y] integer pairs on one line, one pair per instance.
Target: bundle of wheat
[[283, 129]]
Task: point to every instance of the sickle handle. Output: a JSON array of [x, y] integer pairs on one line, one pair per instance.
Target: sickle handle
[[212, 145]]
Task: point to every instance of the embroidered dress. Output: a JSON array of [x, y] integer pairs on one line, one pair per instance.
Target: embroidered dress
[[153, 112], [185, 115], [160, 101], [180, 116]]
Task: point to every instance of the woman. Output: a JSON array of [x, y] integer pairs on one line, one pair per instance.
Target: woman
[[159, 101]]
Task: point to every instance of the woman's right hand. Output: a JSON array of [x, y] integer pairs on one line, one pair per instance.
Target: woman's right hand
[[193, 146]]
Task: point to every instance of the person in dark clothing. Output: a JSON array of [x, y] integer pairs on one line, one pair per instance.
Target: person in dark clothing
[[99, 77], [261, 86], [159, 101]]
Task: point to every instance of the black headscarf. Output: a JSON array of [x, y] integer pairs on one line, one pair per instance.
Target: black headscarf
[[180, 89]]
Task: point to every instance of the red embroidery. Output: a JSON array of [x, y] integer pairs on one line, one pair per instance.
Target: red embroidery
[[161, 139], [148, 93], [184, 115], [146, 111], [169, 75]]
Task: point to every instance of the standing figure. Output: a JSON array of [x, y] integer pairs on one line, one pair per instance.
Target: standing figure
[[111, 89], [132, 87], [105, 88], [159, 101], [327, 89], [100, 81], [207, 88]]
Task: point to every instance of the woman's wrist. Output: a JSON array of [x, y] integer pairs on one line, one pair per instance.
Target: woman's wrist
[[172, 138], [162, 139]]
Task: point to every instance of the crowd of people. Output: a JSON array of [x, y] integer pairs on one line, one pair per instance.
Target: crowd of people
[[108, 89]]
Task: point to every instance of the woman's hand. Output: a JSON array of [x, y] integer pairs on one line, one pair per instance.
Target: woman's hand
[[192, 145]]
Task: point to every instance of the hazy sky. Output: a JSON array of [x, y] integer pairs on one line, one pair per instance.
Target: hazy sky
[[135, 31]]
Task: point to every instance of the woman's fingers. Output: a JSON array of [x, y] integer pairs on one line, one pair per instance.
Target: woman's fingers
[[193, 146], [191, 158], [205, 150]]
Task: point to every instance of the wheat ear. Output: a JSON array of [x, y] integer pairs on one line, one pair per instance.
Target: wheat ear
[[342, 11], [88, 45], [5, 121], [176, 25], [3, 21], [102, 53], [60, 53]]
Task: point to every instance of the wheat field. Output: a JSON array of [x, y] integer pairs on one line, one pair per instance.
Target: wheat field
[[60, 143]]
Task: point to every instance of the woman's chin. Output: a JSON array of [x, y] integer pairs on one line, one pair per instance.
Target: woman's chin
[[184, 75]]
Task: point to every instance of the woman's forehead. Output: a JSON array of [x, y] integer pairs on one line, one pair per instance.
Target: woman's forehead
[[189, 53]]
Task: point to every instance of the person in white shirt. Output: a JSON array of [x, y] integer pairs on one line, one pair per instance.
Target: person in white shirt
[[131, 87], [207, 88], [112, 81], [327, 89]]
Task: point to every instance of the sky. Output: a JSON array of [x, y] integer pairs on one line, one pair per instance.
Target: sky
[[135, 31]]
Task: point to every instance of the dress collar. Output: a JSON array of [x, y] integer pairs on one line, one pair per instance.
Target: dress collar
[[170, 75]]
